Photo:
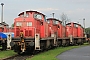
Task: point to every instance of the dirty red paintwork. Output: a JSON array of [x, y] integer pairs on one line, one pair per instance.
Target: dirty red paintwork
[[4, 27], [80, 31], [60, 29], [54, 28], [74, 29], [38, 25]]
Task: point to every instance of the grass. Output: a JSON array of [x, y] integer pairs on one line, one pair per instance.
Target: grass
[[51, 54], [8, 53], [48, 55]]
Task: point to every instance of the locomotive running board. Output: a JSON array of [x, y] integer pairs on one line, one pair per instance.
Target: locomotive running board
[[37, 42]]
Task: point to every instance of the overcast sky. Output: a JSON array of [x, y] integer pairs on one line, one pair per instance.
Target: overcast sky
[[76, 10]]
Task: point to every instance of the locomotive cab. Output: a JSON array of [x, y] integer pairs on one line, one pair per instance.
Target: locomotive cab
[[54, 28]]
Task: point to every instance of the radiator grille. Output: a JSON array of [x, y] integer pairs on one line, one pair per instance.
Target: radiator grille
[[28, 33]]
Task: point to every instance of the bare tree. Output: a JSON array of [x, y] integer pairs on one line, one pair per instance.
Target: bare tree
[[64, 18]]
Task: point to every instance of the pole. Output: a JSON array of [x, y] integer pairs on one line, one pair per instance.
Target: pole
[[2, 13], [84, 25], [65, 28], [53, 14]]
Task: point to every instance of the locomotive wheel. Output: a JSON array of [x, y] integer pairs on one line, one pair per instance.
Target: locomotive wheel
[[64, 43], [75, 42], [4, 45], [19, 53], [11, 43], [59, 43], [16, 48], [89, 41]]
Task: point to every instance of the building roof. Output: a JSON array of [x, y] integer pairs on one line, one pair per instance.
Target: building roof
[[3, 23]]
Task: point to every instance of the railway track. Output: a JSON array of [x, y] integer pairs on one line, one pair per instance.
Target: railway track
[[18, 57], [22, 56]]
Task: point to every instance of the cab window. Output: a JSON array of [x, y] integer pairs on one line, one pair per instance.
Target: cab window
[[18, 24], [75, 25], [55, 22], [37, 16], [29, 23], [27, 15], [48, 21]]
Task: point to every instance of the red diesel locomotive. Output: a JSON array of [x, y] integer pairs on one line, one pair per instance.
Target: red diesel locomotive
[[76, 33], [33, 32], [4, 31]]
